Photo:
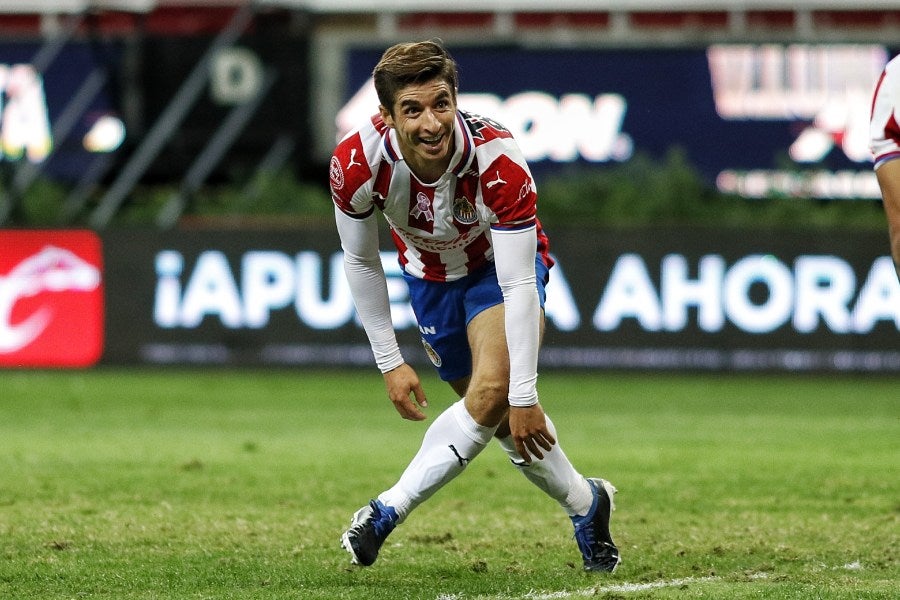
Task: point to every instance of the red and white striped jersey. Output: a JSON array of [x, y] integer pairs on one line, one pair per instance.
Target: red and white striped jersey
[[442, 230], [884, 131]]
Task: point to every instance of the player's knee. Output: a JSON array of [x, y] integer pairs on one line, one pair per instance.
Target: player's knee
[[487, 401], [489, 392]]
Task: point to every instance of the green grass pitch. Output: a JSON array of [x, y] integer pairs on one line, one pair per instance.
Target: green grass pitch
[[126, 485]]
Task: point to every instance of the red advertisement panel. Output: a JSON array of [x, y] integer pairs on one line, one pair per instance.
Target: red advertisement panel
[[51, 298]]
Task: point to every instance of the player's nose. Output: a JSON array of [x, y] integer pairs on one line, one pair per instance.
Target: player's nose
[[430, 122]]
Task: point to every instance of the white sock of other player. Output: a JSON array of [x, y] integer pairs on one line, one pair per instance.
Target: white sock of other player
[[554, 474], [450, 443]]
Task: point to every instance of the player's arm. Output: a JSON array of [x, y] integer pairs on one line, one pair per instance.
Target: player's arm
[[365, 276], [514, 255], [889, 179]]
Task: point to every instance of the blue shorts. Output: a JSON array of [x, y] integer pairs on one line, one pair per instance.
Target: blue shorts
[[444, 309]]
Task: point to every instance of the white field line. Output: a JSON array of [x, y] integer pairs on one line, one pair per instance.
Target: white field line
[[621, 588], [618, 588]]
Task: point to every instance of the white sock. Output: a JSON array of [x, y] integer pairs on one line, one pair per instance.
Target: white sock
[[554, 474], [450, 443]]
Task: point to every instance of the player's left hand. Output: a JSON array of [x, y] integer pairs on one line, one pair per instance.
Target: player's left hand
[[530, 434]]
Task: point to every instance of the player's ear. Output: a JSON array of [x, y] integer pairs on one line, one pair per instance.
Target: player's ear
[[386, 116]]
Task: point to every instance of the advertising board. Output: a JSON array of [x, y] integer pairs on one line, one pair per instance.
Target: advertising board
[[59, 112], [236, 77], [754, 119], [51, 298], [644, 298], [62, 106]]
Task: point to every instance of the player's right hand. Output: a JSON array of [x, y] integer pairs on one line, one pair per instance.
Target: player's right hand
[[402, 387]]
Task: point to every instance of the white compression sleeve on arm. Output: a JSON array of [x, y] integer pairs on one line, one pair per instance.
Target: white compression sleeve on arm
[[514, 255], [365, 275]]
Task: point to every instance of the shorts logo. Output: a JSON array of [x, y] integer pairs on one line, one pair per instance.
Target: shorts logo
[[51, 299], [336, 173], [432, 354], [464, 212]]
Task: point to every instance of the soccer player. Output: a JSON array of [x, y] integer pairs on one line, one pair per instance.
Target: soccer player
[[884, 133], [461, 205]]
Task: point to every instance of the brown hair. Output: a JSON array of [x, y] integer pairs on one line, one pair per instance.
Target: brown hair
[[413, 62]]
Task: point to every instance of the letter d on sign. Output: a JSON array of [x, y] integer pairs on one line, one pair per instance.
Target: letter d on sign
[[236, 76]]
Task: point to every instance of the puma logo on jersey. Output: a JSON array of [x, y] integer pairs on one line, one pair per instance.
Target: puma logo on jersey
[[353, 159], [497, 181]]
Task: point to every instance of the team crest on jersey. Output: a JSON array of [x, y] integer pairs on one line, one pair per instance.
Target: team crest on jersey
[[422, 208], [336, 173], [432, 354], [464, 212]]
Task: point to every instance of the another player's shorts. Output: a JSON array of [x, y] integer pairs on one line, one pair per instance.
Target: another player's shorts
[[444, 309]]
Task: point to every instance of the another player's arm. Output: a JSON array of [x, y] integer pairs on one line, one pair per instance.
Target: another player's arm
[[365, 276], [889, 179]]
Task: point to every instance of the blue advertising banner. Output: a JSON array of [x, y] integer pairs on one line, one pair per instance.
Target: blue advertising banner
[[755, 120], [645, 298], [59, 111], [66, 105], [648, 298]]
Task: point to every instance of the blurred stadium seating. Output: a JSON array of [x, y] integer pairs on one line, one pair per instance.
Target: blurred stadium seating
[[626, 21], [103, 100], [166, 90]]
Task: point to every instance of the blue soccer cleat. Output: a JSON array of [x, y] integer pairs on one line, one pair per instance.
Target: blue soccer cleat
[[369, 527], [592, 530]]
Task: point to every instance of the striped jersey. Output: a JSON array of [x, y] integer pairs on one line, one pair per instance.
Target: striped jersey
[[884, 131], [442, 230]]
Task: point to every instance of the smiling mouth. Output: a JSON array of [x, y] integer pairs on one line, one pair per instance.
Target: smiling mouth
[[432, 142]]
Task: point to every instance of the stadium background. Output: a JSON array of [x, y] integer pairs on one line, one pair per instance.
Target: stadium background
[[178, 151]]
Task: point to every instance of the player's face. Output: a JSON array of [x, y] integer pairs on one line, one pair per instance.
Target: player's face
[[424, 115]]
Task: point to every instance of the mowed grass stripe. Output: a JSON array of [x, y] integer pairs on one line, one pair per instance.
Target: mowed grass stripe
[[236, 484]]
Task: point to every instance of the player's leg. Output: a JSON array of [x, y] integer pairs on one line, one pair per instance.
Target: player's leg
[[450, 443], [460, 385], [587, 502], [455, 437], [452, 440], [486, 399], [486, 396]]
